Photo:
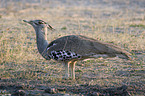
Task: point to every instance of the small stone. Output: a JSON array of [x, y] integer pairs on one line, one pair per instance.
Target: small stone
[[19, 87], [61, 89], [2, 87], [51, 90], [96, 94], [19, 93]]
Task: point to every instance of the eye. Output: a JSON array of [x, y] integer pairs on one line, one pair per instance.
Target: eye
[[40, 22]]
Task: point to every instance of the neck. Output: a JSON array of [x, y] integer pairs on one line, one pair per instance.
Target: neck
[[42, 42]]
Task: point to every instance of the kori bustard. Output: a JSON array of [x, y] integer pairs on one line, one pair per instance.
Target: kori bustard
[[72, 48]]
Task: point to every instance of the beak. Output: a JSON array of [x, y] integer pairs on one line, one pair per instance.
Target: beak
[[26, 21]]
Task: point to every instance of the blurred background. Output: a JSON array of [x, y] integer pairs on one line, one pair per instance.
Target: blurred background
[[17, 5]]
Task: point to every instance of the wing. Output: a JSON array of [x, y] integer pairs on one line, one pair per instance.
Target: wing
[[84, 46]]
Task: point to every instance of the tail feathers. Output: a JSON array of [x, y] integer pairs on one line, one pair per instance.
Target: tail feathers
[[124, 56]]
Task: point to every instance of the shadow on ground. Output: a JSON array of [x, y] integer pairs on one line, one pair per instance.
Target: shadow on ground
[[85, 89]]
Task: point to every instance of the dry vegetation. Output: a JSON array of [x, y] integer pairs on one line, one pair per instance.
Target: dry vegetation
[[122, 25]]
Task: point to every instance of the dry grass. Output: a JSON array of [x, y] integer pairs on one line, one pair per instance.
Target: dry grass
[[21, 64]]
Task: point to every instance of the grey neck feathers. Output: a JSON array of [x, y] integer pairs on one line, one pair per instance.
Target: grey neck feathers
[[42, 43]]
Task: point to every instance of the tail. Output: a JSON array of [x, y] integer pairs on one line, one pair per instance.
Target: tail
[[124, 56], [119, 52]]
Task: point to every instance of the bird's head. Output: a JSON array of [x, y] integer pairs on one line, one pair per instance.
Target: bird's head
[[38, 24]]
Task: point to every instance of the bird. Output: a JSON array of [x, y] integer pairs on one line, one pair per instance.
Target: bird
[[72, 48]]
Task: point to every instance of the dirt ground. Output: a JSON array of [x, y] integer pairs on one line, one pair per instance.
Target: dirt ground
[[23, 72]]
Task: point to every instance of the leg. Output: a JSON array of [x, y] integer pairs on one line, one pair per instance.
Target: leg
[[72, 65], [66, 70]]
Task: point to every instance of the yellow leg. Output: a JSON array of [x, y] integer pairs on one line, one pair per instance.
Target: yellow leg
[[72, 65], [66, 70]]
